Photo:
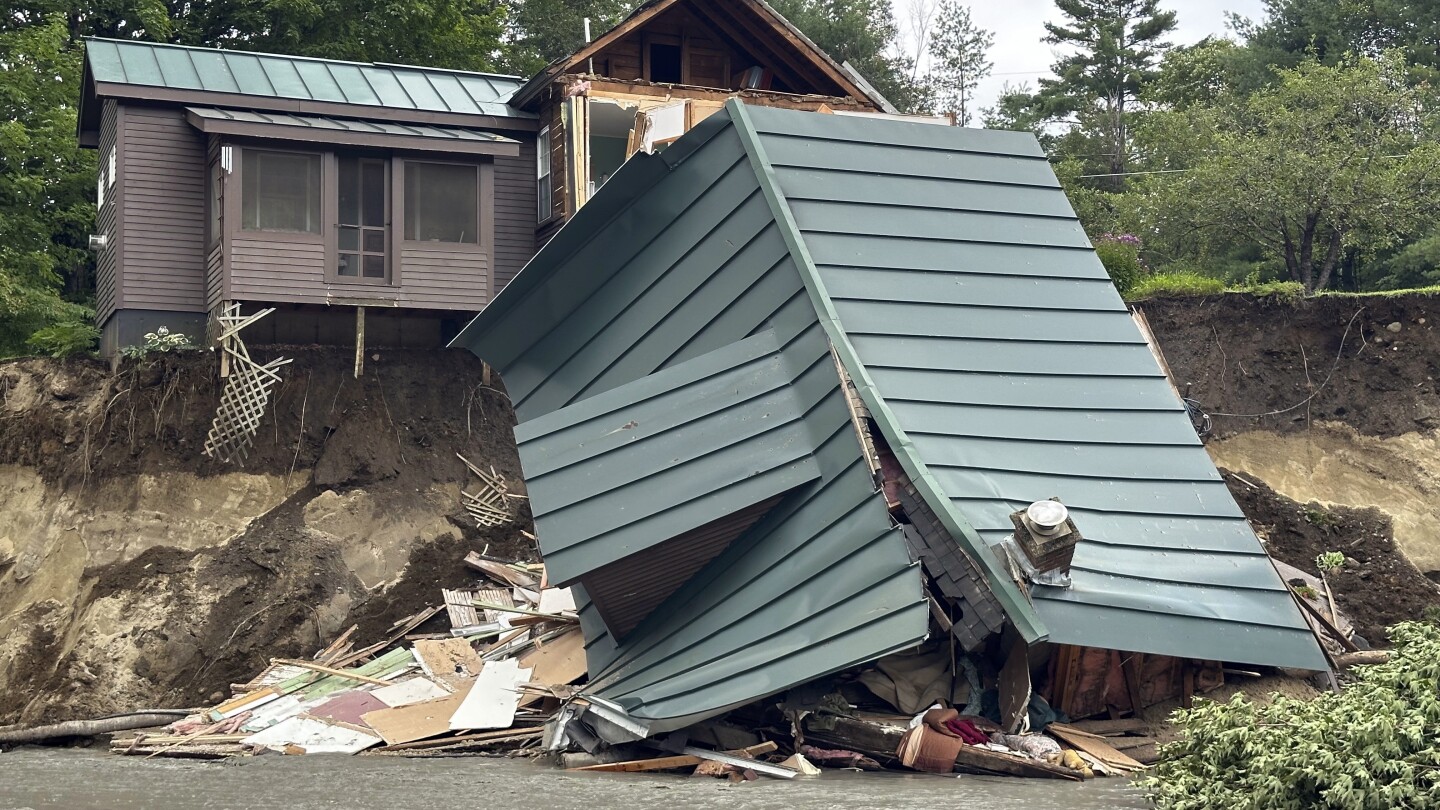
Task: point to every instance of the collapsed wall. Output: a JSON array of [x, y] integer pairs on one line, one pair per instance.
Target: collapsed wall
[[136, 572], [1332, 402]]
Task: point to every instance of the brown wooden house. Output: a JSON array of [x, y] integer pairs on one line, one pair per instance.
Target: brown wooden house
[[321, 187]]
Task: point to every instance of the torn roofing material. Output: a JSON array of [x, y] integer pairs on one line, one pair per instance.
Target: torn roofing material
[[948, 271]]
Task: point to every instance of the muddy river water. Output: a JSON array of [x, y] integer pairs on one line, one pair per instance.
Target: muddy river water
[[88, 780]]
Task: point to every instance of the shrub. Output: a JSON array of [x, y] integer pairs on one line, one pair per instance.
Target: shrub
[[1121, 257], [161, 340], [1374, 745], [1184, 282], [65, 339]]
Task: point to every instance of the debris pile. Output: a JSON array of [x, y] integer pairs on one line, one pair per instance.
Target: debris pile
[[487, 685]]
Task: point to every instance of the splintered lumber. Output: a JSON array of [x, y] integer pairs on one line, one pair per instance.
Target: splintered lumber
[[558, 663], [418, 721], [1111, 728], [338, 673], [502, 572], [1095, 746], [491, 737], [740, 762], [639, 765]]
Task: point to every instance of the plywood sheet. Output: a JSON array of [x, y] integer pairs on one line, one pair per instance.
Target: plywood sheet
[[348, 707], [418, 721], [493, 697], [452, 661], [556, 663]]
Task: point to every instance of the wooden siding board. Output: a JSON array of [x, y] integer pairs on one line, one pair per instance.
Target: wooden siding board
[[106, 262], [163, 196]]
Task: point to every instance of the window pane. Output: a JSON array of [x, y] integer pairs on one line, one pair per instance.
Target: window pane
[[374, 266], [349, 264], [442, 203], [281, 191], [374, 241], [348, 169], [372, 192], [349, 239]]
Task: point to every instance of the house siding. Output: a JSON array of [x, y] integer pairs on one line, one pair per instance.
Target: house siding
[[515, 203], [162, 190], [107, 294]]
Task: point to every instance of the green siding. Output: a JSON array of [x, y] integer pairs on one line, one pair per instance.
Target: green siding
[[292, 77], [1005, 368]]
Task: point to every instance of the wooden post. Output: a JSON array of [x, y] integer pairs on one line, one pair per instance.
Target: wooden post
[[359, 341]]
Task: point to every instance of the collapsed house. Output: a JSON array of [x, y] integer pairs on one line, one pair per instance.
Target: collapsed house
[[786, 393]]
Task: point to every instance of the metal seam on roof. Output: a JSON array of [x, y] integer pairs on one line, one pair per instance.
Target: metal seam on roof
[[1018, 608]]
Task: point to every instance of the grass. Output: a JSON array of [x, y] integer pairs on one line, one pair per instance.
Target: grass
[[1184, 283]]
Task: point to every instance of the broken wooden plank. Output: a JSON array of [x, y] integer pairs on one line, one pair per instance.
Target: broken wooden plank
[[740, 762], [1110, 728], [1093, 745], [501, 572], [502, 735], [558, 663], [492, 698], [640, 765], [349, 675], [452, 661]]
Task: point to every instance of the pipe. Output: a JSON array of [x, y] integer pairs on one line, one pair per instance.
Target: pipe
[[91, 728]]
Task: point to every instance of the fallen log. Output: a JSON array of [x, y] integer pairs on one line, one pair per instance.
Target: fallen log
[[92, 728], [1362, 658]]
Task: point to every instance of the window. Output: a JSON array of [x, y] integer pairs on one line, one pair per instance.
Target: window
[[216, 202], [442, 203], [363, 236], [665, 63], [281, 191], [543, 189]]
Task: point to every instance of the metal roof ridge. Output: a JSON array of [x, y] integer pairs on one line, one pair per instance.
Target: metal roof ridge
[[1018, 607], [297, 57]]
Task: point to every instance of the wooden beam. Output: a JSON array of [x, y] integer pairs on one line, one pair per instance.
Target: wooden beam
[[339, 673], [639, 765], [359, 341]]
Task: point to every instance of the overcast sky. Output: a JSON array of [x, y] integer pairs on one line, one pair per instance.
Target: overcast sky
[[1020, 55]]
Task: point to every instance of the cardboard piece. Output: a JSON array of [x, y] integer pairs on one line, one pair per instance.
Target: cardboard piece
[[418, 721]]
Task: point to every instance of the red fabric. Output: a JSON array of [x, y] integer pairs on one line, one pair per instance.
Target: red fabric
[[966, 731]]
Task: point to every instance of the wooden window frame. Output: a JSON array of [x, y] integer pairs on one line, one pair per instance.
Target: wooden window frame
[[326, 215], [332, 220], [485, 166], [544, 171]]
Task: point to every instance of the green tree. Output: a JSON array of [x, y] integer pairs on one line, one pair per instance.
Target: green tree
[[1116, 47], [542, 31], [1330, 159], [1332, 29], [960, 54], [46, 184], [863, 33]]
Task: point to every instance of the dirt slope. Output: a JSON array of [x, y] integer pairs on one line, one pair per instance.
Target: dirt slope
[[134, 571], [1330, 406]]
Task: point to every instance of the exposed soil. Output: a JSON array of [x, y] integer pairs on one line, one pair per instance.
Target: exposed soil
[[370, 531], [1377, 586], [1270, 364]]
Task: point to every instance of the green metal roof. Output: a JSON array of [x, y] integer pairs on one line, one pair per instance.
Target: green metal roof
[[209, 70], [947, 270], [1003, 368], [337, 130]]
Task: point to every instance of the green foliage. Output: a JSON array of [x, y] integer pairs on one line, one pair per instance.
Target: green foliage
[[1307, 591], [1323, 520], [46, 183], [1329, 160], [1414, 265], [162, 340], [959, 50], [66, 339], [1112, 49], [1281, 290], [542, 31], [1180, 283], [1374, 745], [1121, 257], [863, 33], [1330, 560]]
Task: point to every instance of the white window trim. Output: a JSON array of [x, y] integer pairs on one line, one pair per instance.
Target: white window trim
[[543, 172]]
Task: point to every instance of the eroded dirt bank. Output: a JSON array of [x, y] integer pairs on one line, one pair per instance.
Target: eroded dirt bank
[[134, 571], [1330, 409]]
